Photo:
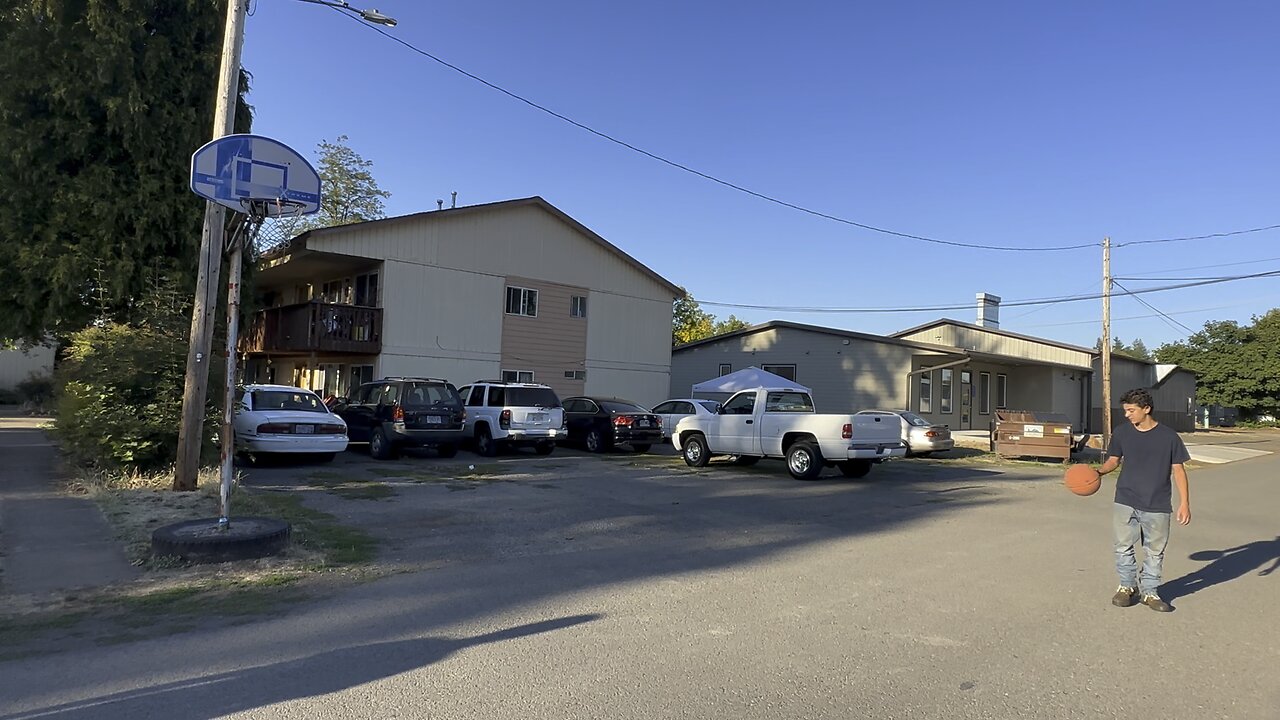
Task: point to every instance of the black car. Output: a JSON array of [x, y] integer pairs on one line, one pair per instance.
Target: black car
[[401, 412], [600, 423]]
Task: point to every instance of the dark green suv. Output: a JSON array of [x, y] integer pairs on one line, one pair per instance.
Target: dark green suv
[[398, 412]]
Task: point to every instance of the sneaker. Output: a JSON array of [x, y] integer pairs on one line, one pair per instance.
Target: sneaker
[[1155, 603], [1124, 596]]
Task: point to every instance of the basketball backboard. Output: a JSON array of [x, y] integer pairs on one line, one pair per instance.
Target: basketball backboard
[[245, 172]]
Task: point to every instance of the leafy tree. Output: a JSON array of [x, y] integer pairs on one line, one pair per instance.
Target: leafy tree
[[1136, 350], [689, 321], [729, 324], [1237, 366], [102, 103], [349, 194]]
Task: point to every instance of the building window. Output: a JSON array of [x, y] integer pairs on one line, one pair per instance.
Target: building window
[[984, 393], [725, 369], [333, 291], [517, 376], [575, 374], [367, 290], [358, 375], [944, 397], [926, 390], [786, 371], [1002, 391], [578, 306], [522, 301]]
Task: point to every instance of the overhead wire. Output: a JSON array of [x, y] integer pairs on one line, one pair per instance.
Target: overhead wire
[[760, 195], [1168, 320], [1205, 267], [1013, 303]]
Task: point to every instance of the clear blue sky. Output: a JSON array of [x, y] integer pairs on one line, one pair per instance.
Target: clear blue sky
[[998, 123]]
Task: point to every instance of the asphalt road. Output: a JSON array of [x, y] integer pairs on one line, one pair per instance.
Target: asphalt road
[[580, 587]]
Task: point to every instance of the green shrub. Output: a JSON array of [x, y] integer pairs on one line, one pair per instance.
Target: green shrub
[[36, 388], [120, 397]]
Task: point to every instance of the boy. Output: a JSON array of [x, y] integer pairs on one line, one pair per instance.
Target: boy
[[1152, 453]]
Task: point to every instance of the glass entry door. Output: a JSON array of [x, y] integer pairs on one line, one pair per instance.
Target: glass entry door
[[966, 400]]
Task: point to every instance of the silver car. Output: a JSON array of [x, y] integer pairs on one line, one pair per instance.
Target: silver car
[[672, 411], [922, 437]]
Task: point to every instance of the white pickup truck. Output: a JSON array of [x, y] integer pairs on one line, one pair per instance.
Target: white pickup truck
[[781, 423]]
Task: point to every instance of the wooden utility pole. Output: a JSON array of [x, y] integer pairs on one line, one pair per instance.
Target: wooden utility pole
[[1106, 343], [211, 247]]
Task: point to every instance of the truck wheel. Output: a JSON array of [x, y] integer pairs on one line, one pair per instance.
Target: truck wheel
[[380, 447], [855, 468], [695, 451], [745, 460], [485, 446], [804, 461]]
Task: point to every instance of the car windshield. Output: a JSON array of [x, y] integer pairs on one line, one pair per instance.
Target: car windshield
[[421, 394], [621, 406], [288, 400], [915, 419], [532, 397], [712, 406]]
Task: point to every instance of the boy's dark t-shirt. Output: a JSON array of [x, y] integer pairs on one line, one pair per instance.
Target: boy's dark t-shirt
[[1145, 475]]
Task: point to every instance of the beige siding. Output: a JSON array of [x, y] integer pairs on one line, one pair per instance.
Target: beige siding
[[993, 343], [17, 365], [440, 322], [522, 240], [550, 343], [628, 347]]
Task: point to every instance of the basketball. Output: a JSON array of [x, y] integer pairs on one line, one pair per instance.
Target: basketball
[[1082, 479]]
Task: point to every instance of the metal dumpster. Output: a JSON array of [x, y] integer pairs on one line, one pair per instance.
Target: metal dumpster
[[1029, 433]]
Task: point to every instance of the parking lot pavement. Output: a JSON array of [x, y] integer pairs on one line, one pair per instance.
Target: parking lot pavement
[[622, 586]]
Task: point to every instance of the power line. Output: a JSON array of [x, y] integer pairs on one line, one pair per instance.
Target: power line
[[1042, 307], [1170, 321], [1206, 267], [760, 195], [1198, 237], [1014, 303], [1135, 317]]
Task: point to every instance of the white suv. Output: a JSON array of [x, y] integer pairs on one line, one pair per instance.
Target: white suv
[[506, 414]]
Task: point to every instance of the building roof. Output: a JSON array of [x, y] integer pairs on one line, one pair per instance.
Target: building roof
[[300, 242], [994, 331], [781, 324]]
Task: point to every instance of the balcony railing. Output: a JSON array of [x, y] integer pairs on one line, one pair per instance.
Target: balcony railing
[[314, 327]]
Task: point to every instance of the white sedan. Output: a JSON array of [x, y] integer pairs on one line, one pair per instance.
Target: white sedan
[[282, 419], [672, 411]]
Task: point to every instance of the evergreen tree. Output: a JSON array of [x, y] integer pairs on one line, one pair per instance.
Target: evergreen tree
[[102, 103]]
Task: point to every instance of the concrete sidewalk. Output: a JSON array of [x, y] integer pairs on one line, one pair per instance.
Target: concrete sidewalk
[[49, 541]]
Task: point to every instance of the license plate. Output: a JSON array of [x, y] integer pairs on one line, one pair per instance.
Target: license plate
[[304, 429], [434, 420], [536, 417], [642, 423]]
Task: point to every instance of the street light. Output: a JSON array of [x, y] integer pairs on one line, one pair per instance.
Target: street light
[[371, 15], [194, 388]]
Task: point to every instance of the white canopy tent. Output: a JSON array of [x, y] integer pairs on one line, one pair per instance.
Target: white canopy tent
[[752, 377]]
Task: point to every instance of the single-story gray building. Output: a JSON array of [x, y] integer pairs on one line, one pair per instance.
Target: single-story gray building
[[947, 371]]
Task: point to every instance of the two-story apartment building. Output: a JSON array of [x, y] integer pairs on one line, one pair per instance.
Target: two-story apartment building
[[514, 290]]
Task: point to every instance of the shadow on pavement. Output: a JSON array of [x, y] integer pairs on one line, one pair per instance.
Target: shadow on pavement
[[213, 696], [1226, 565]]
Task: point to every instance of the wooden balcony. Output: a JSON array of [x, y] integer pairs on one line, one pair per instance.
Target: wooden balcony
[[314, 327]]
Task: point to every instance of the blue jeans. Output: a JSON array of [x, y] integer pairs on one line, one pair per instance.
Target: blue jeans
[[1152, 529]]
